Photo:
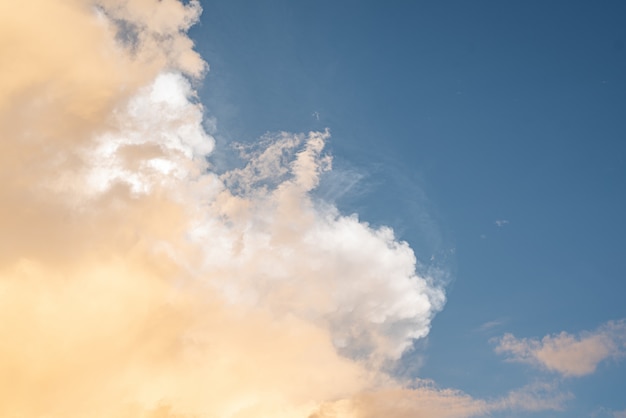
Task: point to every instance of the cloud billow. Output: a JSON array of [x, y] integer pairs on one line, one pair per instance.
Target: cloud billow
[[135, 281], [134, 277]]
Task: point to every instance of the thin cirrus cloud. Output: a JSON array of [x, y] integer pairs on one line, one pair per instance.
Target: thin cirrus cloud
[[491, 325], [135, 281], [567, 354], [603, 412]]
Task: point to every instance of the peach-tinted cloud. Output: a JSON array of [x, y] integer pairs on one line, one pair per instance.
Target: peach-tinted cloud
[[406, 403], [424, 399], [134, 281], [567, 354], [137, 282]]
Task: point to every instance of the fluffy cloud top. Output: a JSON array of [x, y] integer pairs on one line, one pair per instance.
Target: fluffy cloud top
[[567, 354]]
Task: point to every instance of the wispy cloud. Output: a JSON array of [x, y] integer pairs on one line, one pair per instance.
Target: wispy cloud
[[538, 396], [501, 222], [603, 412], [405, 403], [490, 325], [424, 399], [567, 354]]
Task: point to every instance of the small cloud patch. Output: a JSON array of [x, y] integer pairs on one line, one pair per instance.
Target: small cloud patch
[[567, 354]]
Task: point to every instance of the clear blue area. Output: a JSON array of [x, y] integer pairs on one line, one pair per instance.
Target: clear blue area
[[455, 115]]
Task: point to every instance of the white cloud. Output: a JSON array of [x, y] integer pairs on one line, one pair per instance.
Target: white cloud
[[567, 354], [501, 222]]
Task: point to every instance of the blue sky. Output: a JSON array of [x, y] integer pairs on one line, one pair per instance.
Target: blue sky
[[490, 135]]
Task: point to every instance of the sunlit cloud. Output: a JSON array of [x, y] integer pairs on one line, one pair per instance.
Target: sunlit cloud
[[567, 354], [137, 281], [423, 398], [405, 403]]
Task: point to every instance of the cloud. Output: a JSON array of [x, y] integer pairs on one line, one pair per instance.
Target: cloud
[[538, 396], [405, 403], [155, 32], [136, 281], [423, 398], [607, 412], [501, 222], [567, 354], [490, 325]]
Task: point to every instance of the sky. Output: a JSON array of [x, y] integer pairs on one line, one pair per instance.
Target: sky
[[330, 209]]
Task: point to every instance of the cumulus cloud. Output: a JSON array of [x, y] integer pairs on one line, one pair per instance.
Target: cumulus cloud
[[567, 354], [135, 281]]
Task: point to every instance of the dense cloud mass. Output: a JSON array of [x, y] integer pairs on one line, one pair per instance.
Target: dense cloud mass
[[135, 279], [137, 282]]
